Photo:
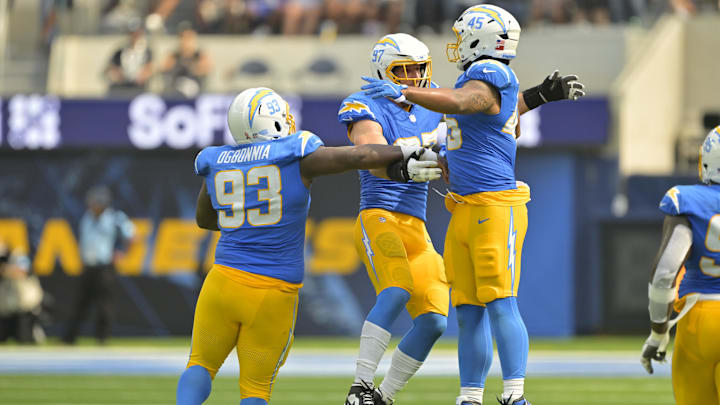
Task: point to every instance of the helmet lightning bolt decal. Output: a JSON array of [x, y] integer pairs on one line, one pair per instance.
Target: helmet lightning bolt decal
[[254, 104], [492, 13], [389, 42]]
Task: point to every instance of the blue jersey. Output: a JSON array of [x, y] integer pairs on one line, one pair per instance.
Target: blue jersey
[[418, 127], [700, 204], [480, 147], [262, 203]]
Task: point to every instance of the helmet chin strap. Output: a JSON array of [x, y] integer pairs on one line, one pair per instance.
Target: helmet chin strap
[[481, 57]]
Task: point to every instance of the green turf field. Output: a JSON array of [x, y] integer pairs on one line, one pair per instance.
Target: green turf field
[[114, 390]]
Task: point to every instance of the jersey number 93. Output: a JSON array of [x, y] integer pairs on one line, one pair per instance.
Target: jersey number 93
[[230, 193]]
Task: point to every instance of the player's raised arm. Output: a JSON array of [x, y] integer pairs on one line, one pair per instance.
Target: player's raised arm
[[205, 214], [477, 96], [416, 163]]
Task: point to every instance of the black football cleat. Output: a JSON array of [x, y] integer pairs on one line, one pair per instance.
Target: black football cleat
[[519, 401], [360, 394]]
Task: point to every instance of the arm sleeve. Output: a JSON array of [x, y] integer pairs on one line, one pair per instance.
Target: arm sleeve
[[202, 166], [127, 229], [306, 143], [490, 73], [671, 203]]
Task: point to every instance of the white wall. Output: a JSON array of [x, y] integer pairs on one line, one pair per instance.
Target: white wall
[[596, 54]]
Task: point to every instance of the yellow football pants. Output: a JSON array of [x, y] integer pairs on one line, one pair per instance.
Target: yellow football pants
[[252, 313], [483, 250], [696, 357], [397, 252]]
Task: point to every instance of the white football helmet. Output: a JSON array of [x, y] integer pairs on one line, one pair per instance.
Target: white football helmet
[[402, 50], [483, 30], [258, 115], [709, 164]]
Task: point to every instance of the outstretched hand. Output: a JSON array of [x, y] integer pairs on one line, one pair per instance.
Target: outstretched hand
[[382, 88], [556, 87]]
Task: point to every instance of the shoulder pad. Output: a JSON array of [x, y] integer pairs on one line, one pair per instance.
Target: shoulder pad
[[305, 143], [356, 108], [672, 201], [490, 71]]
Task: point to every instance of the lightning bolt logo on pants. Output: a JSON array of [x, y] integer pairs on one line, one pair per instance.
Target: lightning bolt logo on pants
[[368, 250], [512, 233]]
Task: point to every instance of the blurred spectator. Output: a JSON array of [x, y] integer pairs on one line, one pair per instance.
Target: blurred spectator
[[50, 9], [130, 67], [301, 17], [21, 298], [218, 16], [117, 15], [551, 11], [596, 12], [102, 231], [187, 67]]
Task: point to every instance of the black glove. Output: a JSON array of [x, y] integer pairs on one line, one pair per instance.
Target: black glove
[[554, 88]]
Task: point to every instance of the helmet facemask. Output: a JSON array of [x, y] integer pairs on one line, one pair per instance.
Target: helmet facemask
[[423, 80]]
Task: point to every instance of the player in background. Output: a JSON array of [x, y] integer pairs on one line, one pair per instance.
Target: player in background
[[257, 195], [484, 240], [690, 237], [393, 215]]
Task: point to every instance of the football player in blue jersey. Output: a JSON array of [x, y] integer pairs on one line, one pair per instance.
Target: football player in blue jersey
[[690, 237], [390, 233], [257, 195], [484, 240]]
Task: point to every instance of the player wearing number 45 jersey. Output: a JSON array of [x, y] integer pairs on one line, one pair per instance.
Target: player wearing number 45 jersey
[[484, 240], [257, 194], [691, 237]]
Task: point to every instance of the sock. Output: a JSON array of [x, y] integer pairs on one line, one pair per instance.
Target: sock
[[511, 337], [426, 330], [513, 388], [475, 349], [373, 342], [472, 394], [375, 334], [401, 369], [194, 386], [253, 401]]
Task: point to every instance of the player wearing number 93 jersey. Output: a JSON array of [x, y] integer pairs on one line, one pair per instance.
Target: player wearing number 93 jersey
[[257, 195], [691, 238]]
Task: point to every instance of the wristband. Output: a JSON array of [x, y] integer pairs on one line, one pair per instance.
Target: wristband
[[533, 98]]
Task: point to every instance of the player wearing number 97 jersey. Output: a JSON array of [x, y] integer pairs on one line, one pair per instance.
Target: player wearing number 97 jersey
[[691, 237], [257, 195]]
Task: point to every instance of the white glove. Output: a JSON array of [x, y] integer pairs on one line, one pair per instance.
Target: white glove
[[655, 348], [418, 153], [423, 170]]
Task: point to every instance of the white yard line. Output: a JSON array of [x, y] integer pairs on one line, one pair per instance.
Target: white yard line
[[302, 362]]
